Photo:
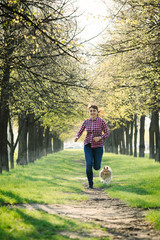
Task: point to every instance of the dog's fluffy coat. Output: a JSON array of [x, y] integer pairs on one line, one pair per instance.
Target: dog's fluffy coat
[[106, 174]]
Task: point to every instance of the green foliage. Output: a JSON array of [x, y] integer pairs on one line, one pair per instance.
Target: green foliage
[[44, 72], [128, 73]]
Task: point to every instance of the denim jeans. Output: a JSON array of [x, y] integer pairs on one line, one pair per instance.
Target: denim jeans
[[93, 158]]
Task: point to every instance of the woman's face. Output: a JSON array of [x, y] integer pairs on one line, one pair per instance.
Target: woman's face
[[93, 112]]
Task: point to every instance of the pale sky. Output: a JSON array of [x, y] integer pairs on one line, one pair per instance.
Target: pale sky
[[95, 17]]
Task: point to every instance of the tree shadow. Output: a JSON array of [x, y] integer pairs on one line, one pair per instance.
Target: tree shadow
[[41, 228], [131, 189], [63, 188], [16, 197]]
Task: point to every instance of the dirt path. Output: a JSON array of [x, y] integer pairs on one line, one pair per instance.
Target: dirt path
[[119, 220]]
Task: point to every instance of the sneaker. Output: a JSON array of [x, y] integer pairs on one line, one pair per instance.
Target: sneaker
[[89, 187]]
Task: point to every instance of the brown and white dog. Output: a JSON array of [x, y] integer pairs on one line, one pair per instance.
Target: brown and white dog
[[106, 174]]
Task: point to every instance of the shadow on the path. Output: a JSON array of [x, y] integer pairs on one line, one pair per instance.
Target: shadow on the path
[[41, 227]]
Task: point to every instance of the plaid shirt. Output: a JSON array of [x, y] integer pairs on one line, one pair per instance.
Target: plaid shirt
[[94, 128]]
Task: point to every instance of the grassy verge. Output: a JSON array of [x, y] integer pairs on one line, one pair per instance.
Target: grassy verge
[[54, 175], [136, 181], [18, 224], [57, 178], [52, 179]]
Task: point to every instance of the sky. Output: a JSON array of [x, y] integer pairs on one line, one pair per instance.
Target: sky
[[94, 17]]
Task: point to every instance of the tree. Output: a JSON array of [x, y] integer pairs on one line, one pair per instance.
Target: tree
[[34, 35], [129, 66]]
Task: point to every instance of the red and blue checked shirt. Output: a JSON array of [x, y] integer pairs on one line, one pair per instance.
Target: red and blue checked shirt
[[94, 128]]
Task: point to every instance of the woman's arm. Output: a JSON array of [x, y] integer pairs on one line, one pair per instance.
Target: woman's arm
[[80, 132], [105, 130]]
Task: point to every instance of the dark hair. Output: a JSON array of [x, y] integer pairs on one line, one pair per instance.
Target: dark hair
[[100, 112], [93, 106]]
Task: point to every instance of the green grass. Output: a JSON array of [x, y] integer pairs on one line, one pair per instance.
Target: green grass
[[53, 175], [154, 217], [57, 179], [18, 224], [52, 179], [136, 181]]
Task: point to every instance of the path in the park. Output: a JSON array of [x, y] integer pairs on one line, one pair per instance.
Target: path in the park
[[119, 220]]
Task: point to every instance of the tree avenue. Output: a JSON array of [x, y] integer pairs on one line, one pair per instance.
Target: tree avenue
[[39, 73], [129, 73], [43, 83]]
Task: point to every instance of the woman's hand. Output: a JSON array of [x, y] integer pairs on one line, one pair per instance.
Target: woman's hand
[[97, 139], [76, 139]]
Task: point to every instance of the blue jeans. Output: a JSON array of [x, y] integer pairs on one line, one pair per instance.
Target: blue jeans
[[93, 158]]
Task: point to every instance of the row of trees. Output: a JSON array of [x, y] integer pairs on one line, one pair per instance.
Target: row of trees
[[125, 138], [128, 72], [39, 76], [43, 84], [34, 141]]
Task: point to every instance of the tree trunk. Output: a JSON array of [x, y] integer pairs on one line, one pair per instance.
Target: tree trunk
[[62, 145], [127, 138], [142, 131], [50, 150], [4, 115], [151, 136], [113, 141], [48, 141], [157, 135], [135, 135], [37, 140], [42, 151], [22, 147], [57, 143], [11, 144], [108, 144], [116, 140], [120, 147], [131, 139], [123, 141], [31, 139], [4, 95]]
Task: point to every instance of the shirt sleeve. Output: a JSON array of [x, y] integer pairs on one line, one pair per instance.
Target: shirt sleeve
[[81, 130], [105, 130]]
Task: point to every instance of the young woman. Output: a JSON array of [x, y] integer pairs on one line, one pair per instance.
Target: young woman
[[93, 143]]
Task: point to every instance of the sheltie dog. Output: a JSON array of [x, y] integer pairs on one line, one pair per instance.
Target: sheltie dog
[[106, 174]]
